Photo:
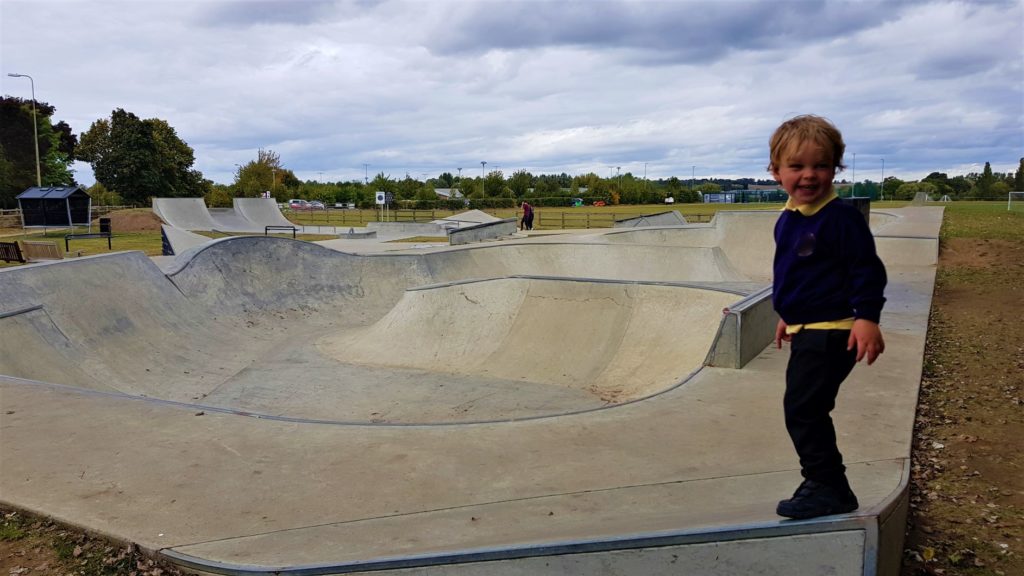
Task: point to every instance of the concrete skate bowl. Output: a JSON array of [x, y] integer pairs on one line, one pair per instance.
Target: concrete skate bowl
[[198, 413], [288, 329], [743, 237]]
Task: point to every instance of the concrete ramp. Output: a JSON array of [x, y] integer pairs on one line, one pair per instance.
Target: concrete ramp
[[610, 339], [670, 218], [181, 240], [745, 238], [231, 220], [261, 212], [468, 217], [184, 213]]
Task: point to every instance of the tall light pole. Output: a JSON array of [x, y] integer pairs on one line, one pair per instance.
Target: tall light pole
[[366, 175], [881, 190], [619, 174], [853, 189], [35, 129], [693, 176], [482, 188]]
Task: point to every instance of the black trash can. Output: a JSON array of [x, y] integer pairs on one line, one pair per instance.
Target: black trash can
[[861, 203]]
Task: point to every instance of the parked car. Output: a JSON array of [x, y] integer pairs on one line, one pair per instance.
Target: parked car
[[296, 204], [317, 205]]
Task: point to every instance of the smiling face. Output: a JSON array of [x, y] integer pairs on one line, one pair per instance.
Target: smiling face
[[806, 173]]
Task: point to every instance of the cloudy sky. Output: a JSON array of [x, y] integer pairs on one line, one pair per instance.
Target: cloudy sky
[[673, 87]]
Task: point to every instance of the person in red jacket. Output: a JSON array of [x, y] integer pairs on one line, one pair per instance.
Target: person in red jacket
[[526, 223]]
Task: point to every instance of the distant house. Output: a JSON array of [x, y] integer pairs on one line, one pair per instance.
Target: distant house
[[448, 193], [55, 207]]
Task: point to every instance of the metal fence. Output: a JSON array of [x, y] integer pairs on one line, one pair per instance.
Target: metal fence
[[543, 219]]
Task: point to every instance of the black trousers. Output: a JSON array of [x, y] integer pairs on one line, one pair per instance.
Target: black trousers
[[818, 364]]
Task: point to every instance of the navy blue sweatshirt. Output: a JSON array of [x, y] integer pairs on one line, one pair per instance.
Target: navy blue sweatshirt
[[826, 267]]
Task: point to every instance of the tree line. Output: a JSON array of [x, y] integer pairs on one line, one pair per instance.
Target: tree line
[[135, 159]]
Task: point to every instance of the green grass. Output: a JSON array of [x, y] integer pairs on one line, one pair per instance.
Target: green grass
[[983, 220], [11, 529], [147, 242]]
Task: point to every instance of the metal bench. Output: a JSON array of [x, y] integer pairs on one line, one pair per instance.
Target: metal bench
[[69, 237], [267, 229]]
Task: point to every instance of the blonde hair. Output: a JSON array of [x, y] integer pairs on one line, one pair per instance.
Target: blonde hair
[[800, 130]]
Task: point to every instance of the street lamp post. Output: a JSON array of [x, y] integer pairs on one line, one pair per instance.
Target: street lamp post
[[881, 190], [366, 174], [482, 164], [35, 129], [853, 189]]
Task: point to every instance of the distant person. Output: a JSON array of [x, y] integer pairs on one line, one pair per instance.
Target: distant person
[[828, 290], [527, 221]]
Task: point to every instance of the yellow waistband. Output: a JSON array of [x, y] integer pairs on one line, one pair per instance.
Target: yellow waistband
[[844, 324]]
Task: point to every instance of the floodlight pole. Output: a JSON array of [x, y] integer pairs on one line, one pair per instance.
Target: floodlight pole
[[853, 189], [35, 129], [881, 190]]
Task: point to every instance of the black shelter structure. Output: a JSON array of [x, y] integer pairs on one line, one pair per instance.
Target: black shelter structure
[[55, 207]]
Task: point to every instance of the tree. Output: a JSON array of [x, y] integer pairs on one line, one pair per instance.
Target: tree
[[265, 173], [1000, 190], [909, 190], [139, 159], [494, 184], [520, 182], [984, 185], [102, 197], [18, 148], [889, 187], [547, 186], [1018, 179]]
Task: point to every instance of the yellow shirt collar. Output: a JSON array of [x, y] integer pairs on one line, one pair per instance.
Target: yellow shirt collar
[[812, 208]]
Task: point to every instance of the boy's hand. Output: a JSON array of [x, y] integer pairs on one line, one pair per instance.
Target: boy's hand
[[867, 337], [780, 333]]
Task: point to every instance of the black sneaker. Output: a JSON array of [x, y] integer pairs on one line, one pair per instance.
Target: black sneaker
[[813, 499]]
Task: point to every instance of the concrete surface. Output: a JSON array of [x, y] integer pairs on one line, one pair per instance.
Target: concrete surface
[[669, 218], [184, 213], [469, 234], [181, 239], [527, 407]]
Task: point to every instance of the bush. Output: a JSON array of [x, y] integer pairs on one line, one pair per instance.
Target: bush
[[218, 198], [484, 203]]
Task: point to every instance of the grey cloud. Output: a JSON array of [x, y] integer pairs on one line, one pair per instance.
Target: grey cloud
[[669, 32], [233, 14]]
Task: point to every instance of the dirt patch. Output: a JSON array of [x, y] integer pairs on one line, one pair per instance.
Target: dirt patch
[[967, 490], [32, 546], [136, 220]]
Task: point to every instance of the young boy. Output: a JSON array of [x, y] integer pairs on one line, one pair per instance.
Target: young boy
[[828, 290]]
